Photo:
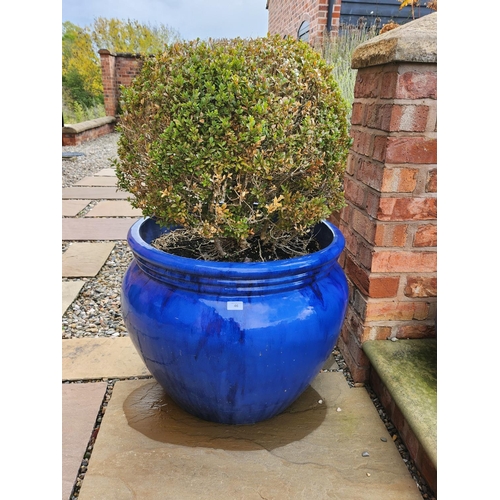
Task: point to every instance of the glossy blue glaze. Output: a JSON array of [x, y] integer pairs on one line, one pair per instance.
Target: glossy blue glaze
[[234, 343]]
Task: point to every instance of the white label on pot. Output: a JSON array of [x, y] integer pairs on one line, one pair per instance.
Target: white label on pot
[[236, 305]]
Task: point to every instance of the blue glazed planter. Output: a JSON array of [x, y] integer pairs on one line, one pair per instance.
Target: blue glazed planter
[[234, 343]]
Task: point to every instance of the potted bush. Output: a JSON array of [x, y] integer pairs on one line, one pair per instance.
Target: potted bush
[[235, 151]]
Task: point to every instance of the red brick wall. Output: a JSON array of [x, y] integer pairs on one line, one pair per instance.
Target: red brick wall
[[117, 69], [127, 67], [286, 16], [390, 219]]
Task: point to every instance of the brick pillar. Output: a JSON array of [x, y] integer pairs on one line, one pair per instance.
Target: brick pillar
[[117, 70], [390, 184], [109, 82]]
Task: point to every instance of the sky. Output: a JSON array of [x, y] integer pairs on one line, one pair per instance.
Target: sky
[[190, 18]]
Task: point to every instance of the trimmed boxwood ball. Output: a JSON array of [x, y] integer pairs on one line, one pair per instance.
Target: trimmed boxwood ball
[[235, 141]]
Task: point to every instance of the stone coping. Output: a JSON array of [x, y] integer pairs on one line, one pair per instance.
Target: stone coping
[[408, 369], [414, 42], [136, 55], [78, 128]]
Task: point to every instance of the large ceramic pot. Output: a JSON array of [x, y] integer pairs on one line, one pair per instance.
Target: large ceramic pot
[[234, 343]]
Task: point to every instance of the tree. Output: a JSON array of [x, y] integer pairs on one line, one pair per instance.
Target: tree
[[80, 61], [131, 36], [81, 67]]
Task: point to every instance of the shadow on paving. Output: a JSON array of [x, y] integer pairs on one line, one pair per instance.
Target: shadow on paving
[[153, 413]]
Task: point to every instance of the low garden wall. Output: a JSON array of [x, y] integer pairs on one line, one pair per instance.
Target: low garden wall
[[74, 134]]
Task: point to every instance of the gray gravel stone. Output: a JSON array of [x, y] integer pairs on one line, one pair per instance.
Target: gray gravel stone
[[97, 154], [96, 310]]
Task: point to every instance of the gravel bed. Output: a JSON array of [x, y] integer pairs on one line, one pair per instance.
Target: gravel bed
[[96, 311], [97, 155]]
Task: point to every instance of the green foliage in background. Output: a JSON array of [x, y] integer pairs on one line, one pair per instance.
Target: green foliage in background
[[337, 49], [81, 67], [235, 139], [130, 36]]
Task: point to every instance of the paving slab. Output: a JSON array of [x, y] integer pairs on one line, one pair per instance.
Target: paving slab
[[71, 208], [85, 259], [95, 228], [114, 208], [101, 357], [80, 407], [148, 448], [97, 180], [70, 291], [94, 193], [106, 172]]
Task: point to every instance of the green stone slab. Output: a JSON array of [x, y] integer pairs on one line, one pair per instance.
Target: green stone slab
[[408, 368]]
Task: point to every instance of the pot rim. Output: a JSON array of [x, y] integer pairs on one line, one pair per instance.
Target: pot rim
[[145, 253]]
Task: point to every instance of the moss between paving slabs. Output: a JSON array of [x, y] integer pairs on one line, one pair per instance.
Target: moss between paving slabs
[[408, 368]]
